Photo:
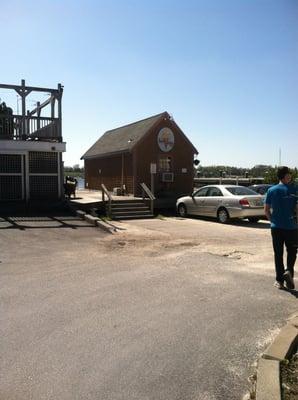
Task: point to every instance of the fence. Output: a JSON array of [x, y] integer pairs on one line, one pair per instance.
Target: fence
[[16, 127]]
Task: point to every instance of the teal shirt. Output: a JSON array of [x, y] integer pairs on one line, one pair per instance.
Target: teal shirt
[[282, 200]]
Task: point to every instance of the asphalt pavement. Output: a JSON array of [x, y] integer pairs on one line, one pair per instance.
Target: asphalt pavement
[[139, 315]]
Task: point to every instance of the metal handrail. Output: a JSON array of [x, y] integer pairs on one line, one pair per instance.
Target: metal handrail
[[149, 194], [105, 191]]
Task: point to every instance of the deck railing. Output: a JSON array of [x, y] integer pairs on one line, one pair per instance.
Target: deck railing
[[17, 127], [107, 193], [150, 195]]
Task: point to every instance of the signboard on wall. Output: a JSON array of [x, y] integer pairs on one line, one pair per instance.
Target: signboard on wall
[[165, 139], [152, 168]]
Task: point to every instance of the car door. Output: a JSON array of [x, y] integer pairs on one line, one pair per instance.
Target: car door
[[197, 202], [213, 200]]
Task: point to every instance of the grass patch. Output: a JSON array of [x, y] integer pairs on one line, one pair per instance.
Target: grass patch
[[105, 219], [160, 216]]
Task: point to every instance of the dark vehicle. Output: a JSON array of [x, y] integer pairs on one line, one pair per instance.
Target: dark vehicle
[[70, 186], [261, 189]]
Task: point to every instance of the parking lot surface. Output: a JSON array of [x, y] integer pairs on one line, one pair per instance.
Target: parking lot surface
[[164, 309]]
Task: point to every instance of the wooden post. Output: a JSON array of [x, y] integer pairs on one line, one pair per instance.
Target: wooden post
[[152, 183], [122, 173], [53, 107], [60, 90], [27, 177], [59, 175], [27, 125], [38, 114], [23, 95]]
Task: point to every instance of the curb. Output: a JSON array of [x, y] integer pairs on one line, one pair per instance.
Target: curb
[[268, 385], [95, 221]]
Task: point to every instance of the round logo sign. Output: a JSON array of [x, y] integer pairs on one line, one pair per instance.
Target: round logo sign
[[165, 139]]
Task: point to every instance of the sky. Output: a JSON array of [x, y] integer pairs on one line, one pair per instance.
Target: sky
[[226, 70]]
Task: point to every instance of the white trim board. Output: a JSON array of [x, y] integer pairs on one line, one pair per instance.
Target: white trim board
[[23, 145]]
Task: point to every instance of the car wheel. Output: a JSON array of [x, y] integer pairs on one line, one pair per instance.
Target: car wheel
[[253, 219], [223, 216], [182, 211]]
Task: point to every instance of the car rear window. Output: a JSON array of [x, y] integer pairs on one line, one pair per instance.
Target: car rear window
[[260, 189], [240, 191]]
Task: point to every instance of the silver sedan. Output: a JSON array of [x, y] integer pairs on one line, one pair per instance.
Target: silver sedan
[[223, 202]]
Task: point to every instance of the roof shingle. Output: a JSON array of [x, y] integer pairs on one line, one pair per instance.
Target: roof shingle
[[122, 139]]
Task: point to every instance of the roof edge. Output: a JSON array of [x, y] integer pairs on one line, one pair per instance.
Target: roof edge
[[136, 122], [114, 153]]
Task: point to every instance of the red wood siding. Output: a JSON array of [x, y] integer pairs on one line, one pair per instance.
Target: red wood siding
[[110, 174]]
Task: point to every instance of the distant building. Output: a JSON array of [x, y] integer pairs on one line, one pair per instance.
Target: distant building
[[154, 151], [31, 148]]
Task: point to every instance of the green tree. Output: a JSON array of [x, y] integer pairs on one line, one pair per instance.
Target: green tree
[[259, 170], [270, 175], [76, 168]]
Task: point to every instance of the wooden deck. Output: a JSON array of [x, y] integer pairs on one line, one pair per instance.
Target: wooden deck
[[89, 199], [93, 198]]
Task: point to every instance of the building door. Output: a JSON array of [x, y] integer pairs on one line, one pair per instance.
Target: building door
[[12, 183]]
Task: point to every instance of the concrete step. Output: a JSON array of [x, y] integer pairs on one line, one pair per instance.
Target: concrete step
[[126, 209], [127, 201], [137, 208], [140, 203], [132, 212], [133, 216]]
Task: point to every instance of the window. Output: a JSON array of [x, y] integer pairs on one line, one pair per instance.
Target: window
[[240, 190], [202, 192], [214, 191], [165, 164]]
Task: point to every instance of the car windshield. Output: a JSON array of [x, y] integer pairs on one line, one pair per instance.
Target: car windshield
[[240, 191]]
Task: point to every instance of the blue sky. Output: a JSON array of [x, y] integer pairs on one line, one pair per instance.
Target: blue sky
[[225, 69]]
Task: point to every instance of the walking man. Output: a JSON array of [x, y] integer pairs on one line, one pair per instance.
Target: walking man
[[280, 207]]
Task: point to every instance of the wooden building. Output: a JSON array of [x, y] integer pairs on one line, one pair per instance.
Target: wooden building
[[31, 147], [153, 151]]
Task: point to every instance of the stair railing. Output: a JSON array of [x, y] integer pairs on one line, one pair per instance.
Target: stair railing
[[151, 196], [104, 192]]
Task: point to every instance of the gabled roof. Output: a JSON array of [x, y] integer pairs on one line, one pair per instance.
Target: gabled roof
[[122, 139]]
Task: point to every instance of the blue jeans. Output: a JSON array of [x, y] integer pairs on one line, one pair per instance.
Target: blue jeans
[[281, 238]]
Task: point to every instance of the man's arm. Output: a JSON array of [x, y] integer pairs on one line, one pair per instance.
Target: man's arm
[[267, 211]]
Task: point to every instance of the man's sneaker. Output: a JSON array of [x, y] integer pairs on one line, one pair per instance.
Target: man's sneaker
[[279, 285], [289, 280]]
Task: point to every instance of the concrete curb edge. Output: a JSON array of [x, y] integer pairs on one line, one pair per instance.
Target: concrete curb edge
[[268, 386], [96, 221]]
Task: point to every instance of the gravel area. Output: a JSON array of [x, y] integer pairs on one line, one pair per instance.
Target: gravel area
[[289, 378]]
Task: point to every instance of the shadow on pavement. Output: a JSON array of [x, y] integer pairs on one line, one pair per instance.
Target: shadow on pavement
[[41, 221], [293, 292], [263, 224], [39, 215]]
